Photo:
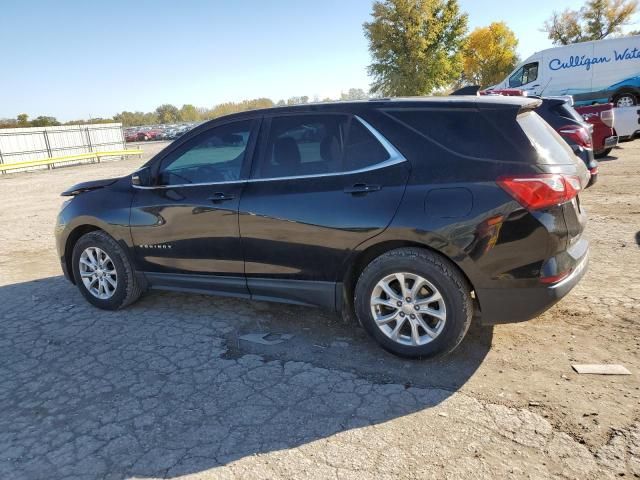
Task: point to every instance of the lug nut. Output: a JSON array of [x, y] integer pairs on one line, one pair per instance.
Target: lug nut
[[399, 304], [412, 316], [408, 299], [402, 314], [417, 307]]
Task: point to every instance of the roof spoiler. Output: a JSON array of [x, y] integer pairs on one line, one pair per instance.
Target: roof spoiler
[[470, 90], [530, 106]]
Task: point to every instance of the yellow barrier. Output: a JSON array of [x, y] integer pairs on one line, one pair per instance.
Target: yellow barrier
[[68, 158]]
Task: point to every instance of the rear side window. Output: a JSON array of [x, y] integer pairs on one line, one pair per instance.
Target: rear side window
[[363, 149], [316, 144], [551, 148], [570, 112], [304, 145], [463, 132]]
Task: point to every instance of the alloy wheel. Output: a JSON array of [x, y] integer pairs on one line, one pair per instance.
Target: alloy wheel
[[408, 309], [98, 273], [625, 101]]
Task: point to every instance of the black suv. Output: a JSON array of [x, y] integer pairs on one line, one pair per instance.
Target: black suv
[[413, 215]]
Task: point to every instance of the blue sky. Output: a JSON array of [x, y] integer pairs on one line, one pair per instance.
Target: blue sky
[[73, 59]]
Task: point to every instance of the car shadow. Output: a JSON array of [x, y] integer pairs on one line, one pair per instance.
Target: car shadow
[[173, 385], [638, 238]]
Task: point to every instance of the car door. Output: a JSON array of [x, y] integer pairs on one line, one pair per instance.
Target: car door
[[185, 226], [323, 184]]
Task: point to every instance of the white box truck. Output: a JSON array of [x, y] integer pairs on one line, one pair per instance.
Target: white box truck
[[600, 71]]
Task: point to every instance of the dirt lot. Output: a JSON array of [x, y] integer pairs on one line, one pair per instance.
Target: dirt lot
[[168, 389]]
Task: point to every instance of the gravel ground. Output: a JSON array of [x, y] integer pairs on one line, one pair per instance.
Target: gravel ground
[[168, 389]]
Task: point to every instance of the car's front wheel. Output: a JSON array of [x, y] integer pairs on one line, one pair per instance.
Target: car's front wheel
[[414, 303], [103, 272]]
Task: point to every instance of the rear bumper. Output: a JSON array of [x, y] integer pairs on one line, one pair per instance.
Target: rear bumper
[[512, 305], [611, 142]]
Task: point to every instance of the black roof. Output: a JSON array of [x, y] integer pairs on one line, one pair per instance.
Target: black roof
[[488, 102]]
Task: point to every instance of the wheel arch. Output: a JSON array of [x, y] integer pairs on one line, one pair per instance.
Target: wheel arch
[[70, 243], [625, 90], [359, 262]]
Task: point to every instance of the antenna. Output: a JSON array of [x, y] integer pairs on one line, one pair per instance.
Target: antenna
[[545, 87]]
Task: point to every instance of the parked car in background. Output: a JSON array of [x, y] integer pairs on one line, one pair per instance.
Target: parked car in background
[[411, 214], [627, 122], [602, 117], [600, 71], [565, 120], [570, 125], [130, 136]]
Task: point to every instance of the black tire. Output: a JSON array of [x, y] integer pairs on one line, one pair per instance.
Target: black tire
[[455, 291], [627, 99], [603, 153], [128, 288]]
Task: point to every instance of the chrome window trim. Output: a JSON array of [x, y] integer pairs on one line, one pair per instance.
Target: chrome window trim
[[395, 157], [160, 187]]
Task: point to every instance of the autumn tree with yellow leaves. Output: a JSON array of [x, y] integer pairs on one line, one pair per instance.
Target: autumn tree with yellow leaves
[[489, 55]]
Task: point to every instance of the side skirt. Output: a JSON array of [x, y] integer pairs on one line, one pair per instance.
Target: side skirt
[[296, 292]]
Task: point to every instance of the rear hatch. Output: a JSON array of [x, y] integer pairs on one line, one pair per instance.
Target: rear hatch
[[556, 157]]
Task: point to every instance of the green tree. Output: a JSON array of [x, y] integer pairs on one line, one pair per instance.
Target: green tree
[[596, 20], [23, 120], [489, 54], [416, 45], [43, 121], [189, 113], [168, 113], [354, 94], [297, 100]]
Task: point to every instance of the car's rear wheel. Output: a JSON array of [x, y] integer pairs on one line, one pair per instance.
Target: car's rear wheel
[[414, 303], [103, 273], [603, 153]]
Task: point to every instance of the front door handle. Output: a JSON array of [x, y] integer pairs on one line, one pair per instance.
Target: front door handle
[[221, 197], [362, 188]]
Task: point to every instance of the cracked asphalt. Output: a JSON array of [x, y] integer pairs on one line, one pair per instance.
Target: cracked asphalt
[[168, 389]]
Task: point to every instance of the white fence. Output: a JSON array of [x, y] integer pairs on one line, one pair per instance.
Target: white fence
[[40, 143]]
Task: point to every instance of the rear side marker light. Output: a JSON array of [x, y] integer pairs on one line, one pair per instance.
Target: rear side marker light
[[541, 191]]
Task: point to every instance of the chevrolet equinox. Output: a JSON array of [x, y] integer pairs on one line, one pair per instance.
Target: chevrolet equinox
[[412, 215]]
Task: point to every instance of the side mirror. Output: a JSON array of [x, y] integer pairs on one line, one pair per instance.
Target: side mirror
[[141, 178]]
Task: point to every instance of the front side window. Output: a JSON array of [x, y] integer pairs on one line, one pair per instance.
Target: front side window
[[530, 73], [214, 156], [525, 74]]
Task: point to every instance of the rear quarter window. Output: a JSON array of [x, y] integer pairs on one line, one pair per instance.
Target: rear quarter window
[[549, 145], [463, 132]]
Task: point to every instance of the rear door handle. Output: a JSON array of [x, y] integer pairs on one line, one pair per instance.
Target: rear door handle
[[221, 197], [362, 188]]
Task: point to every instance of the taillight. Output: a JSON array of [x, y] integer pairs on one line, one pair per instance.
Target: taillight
[[607, 117], [541, 191], [578, 134]]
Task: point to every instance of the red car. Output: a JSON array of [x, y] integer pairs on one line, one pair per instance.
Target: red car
[[130, 137], [604, 136]]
